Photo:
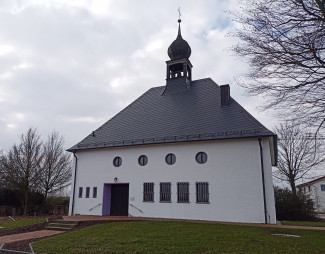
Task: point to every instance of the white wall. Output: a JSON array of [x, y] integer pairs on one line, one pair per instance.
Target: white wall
[[233, 171], [316, 194]]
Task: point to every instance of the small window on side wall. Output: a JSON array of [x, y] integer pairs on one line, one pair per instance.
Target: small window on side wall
[[80, 192], [201, 157], [143, 160], [117, 161], [94, 192], [322, 187], [87, 192], [170, 159]]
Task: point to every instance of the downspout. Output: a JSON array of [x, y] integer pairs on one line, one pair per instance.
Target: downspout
[[263, 179], [74, 182]]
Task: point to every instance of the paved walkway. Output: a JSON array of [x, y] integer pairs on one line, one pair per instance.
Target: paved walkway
[[27, 236]]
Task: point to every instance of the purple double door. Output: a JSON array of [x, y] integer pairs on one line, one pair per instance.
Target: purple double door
[[116, 199]]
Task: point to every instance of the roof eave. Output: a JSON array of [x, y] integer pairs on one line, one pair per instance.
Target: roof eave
[[170, 140]]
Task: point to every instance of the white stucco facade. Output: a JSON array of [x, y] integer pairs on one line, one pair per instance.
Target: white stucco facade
[[315, 190], [232, 171]]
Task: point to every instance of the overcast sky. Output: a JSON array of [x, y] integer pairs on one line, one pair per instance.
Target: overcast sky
[[71, 65]]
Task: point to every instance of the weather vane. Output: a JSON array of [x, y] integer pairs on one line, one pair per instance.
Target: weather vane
[[179, 14]]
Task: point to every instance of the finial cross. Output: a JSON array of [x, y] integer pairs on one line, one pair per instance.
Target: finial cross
[[179, 13]]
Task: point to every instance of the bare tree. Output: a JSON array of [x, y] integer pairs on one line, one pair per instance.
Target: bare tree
[[2, 182], [56, 165], [284, 43], [298, 154], [21, 166]]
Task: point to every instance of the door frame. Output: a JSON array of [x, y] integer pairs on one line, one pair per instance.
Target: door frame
[[107, 191]]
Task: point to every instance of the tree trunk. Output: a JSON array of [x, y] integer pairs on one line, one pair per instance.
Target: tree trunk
[[293, 186], [25, 202], [44, 201]]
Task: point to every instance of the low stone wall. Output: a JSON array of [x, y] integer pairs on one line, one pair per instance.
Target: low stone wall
[[17, 211], [10, 211]]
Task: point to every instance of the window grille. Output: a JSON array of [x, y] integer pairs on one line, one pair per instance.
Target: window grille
[[94, 192], [80, 192], [165, 192], [183, 193], [202, 192], [148, 193], [87, 192]]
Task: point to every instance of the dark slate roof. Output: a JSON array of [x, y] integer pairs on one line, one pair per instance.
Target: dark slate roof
[[190, 115], [311, 182]]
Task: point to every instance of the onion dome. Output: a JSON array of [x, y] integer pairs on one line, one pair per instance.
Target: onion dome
[[179, 48]]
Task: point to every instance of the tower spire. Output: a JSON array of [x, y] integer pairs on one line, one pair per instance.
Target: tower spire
[[179, 21]]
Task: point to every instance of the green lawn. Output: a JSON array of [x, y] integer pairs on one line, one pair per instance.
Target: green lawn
[[21, 222], [304, 223], [181, 237]]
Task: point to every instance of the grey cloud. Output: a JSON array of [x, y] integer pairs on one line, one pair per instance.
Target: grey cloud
[[83, 65]]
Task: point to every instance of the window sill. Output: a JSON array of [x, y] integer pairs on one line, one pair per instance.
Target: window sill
[[165, 201], [203, 202]]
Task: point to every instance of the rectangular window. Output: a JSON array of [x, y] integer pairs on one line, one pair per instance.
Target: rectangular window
[[322, 187], [80, 192], [87, 192], [183, 193], [165, 192], [309, 188], [202, 192], [94, 192], [148, 193]]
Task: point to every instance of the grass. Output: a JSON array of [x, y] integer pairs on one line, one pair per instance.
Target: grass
[[181, 237], [21, 222], [304, 223]]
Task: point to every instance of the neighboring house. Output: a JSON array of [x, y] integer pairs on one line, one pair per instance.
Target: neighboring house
[[315, 189], [184, 150]]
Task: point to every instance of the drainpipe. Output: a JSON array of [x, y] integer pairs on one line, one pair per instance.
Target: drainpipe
[[74, 182], [263, 179]]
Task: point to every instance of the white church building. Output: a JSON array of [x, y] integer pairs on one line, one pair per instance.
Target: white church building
[[185, 150]]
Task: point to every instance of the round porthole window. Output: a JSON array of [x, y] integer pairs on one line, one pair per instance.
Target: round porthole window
[[117, 161], [170, 159], [143, 160], [201, 157]]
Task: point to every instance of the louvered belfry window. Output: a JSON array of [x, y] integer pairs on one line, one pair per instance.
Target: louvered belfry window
[[183, 195], [202, 192], [165, 192], [148, 192]]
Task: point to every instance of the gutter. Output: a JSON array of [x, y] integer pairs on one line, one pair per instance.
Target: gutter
[[263, 178], [74, 182]]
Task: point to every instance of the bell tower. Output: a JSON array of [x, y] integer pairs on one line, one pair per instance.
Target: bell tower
[[179, 67]]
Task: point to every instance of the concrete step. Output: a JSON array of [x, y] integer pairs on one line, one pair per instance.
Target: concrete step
[[61, 225], [65, 222], [58, 228]]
